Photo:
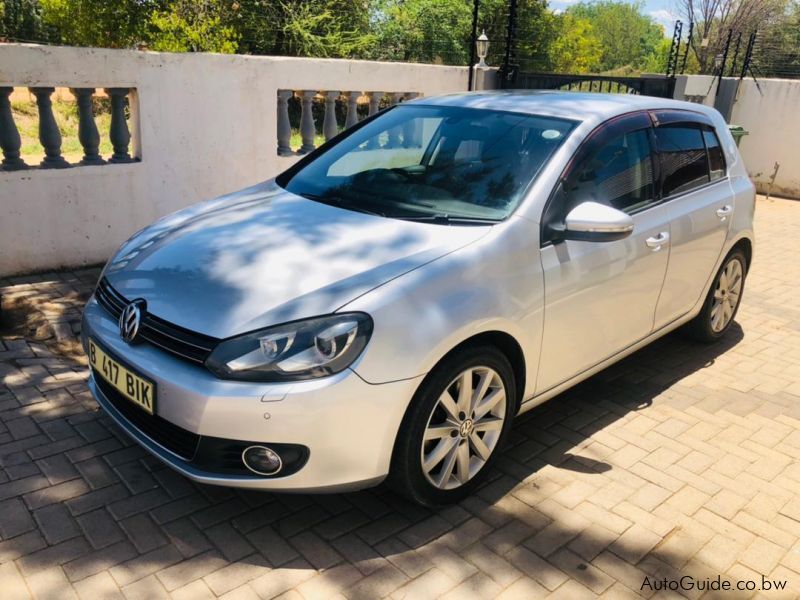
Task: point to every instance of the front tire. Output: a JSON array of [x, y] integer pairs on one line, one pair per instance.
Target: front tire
[[454, 427], [722, 301]]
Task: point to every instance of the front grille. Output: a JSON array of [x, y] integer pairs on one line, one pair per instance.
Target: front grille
[[191, 346], [175, 439]]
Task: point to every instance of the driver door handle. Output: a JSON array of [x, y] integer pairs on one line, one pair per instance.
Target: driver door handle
[[657, 241], [723, 212]]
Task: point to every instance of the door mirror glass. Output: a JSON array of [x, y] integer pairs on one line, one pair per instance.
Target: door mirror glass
[[595, 222]]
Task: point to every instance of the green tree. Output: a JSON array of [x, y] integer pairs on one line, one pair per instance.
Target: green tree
[[192, 26], [628, 37], [326, 28], [423, 30], [22, 20], [576, 47], [440, 31], [537, 29], [101, 23]]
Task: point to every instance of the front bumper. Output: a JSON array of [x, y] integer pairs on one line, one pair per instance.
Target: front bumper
[[349, 426]]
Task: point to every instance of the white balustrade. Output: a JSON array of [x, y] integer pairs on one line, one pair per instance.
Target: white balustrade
[[289, 101]]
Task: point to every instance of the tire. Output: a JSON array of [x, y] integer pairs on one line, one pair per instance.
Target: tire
[[454, 430], [710, 325]]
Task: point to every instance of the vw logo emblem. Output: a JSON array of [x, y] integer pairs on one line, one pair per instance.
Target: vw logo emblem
[[130, 319]]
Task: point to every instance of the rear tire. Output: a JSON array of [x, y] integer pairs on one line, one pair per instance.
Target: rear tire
[[722, 301], [448, 441]]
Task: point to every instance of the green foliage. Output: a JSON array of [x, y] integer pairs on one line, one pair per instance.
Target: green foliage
[[327, 28], [103, 23], [439, 31], [656, 60], [576, 48], [628, 37], [323, 29], [423, 31], [192, 26], [536, 29], [22, 20]]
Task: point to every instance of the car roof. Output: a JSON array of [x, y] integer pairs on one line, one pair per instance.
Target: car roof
[[579, 106]]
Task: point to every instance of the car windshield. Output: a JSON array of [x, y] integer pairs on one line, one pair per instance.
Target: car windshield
[[432, 163]]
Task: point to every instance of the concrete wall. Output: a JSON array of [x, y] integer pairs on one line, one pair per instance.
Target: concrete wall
[[204, 125], [771, 115]]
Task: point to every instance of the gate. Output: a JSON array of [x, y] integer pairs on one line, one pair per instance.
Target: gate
[[646, 85], [512, 77]]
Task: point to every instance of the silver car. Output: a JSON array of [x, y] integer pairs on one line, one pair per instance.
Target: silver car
[[384, 308]]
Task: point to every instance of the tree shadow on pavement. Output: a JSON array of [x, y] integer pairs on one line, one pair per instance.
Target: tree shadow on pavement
[[556, 513]]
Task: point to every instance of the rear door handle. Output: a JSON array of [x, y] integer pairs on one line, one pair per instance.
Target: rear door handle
[[723, 212], [657, 241]]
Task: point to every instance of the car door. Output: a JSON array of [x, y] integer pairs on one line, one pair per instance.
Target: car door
[[698, 199], [600, 297]]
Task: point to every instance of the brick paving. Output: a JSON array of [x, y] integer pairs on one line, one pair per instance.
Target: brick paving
[[681, 460]]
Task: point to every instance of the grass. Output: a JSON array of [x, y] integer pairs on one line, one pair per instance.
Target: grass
[[297, 140], [26, 117]]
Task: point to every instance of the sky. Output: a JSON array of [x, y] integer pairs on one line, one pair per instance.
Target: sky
[[663, 11]]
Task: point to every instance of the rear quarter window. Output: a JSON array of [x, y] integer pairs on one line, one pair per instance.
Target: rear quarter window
[[716, 159]]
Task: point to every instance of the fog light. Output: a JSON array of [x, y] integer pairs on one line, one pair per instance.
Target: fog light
[[262, 460]]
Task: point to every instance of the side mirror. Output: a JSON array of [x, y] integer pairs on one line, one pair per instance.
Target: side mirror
[[595, 222]]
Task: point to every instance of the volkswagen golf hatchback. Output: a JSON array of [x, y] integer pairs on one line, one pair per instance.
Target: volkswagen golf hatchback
[[385, 307]]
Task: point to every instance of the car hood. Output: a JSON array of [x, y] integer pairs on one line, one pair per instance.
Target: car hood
[[264, 256]]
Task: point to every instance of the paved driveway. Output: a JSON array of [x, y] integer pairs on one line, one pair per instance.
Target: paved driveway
[[683, 460]]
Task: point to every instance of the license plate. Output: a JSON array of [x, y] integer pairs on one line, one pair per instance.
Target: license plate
[[135, 388]]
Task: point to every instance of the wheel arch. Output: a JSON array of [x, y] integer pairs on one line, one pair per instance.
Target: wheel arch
[[505, 343], [745, 244]]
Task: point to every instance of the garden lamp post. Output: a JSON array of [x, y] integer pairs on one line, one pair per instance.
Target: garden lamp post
[[482, 46]]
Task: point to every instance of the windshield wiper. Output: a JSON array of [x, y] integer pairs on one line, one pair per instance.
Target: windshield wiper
[[340, 202], [449, 220]]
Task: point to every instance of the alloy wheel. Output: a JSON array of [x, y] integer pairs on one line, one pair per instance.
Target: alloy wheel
[[727, 293], [464, 427]]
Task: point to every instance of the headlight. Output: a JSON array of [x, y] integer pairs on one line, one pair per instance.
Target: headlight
[[300, 350]]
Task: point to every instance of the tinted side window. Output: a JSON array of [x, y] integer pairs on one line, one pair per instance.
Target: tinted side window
[[683, 158], [619, 174], [716, 160]]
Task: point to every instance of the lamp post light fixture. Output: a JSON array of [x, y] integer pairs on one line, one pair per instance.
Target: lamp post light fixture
[[482, 46], [718, 61]]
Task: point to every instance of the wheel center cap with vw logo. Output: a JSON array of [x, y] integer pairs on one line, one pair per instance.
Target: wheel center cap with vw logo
[[466, 428], [130, 319]]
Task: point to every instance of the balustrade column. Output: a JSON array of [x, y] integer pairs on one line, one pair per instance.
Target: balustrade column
[[10, 141], [49, 134], [374, 101], [394, 132], [307, 128], [374, 104], [352, 109], [119, 134], [88, 135], [329, 126], [284, 126], [412, 130]]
